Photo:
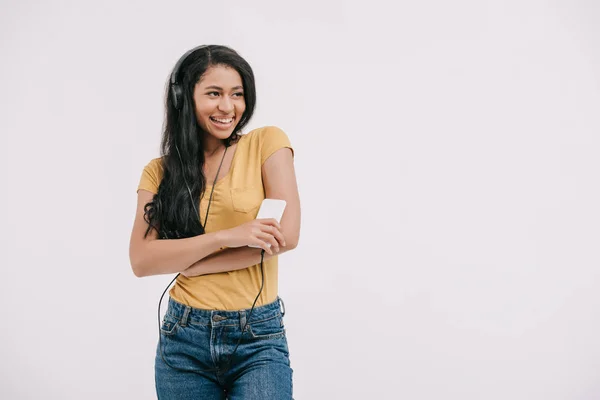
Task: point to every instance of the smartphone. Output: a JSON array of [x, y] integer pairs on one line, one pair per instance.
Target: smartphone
[[270, 208]]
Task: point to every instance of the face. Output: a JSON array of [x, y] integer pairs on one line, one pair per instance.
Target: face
[[219, 101]]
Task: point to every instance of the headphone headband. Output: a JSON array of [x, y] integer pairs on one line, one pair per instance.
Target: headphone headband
[[176, 89]]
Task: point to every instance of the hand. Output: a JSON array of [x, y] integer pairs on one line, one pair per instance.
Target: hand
[[264, 233]]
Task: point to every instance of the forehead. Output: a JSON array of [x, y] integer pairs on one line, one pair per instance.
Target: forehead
[[220, 75]]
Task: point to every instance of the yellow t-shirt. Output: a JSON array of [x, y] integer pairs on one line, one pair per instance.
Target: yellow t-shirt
[[236, 199]]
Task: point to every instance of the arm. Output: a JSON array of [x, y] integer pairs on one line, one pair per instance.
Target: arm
[[151, 256], [279, 179]]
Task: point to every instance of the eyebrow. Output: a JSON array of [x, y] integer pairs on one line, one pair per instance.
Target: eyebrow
[[220, 88]]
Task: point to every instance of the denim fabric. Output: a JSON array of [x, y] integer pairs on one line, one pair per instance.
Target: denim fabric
[[201, 342]]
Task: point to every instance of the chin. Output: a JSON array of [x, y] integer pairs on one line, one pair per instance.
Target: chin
[[221, 135]]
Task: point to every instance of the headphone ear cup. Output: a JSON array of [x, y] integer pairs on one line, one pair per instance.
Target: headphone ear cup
[[177, 93]]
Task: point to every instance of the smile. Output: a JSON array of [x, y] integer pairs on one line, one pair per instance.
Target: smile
[[222, 120]]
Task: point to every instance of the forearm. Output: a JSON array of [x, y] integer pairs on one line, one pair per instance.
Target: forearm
[[167, 256], [229, 260]]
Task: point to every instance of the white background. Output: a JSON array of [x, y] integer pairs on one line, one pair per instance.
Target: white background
[[448, 163]]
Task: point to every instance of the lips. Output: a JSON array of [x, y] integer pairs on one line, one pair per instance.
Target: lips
[[222, 120], [224, 124]]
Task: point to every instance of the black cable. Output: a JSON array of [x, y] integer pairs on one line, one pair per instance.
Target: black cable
[[262, 273], [227, 365]]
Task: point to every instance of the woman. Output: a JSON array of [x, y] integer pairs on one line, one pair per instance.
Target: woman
[[222, 335]]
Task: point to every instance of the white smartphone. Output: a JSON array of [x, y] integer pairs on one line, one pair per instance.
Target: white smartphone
[[270, 208]]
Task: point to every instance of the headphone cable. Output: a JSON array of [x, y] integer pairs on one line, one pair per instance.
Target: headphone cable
[[262, 273]]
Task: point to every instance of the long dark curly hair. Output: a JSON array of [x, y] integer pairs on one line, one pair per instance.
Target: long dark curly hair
[[170, 212]]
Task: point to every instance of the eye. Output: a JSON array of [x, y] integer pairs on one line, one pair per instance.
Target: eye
[[212, 94], [239, 94]]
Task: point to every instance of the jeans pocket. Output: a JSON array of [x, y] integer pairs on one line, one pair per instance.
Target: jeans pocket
[[271, 328], [169, 325]]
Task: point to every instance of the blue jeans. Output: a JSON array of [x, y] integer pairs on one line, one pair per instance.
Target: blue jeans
[[200, 343]]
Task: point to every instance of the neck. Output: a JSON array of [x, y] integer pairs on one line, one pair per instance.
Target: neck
[[212, 146]]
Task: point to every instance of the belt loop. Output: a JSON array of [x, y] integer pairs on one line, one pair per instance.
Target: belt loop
[[242, 319], [184, 318], [281, 306]]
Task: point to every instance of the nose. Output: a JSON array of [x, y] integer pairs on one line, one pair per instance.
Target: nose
[[226, 105]]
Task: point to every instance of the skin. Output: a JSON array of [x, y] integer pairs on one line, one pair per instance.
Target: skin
[[219, 94]]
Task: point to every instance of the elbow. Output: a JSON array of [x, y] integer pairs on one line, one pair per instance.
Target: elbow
[[289, 246], [292, 243], [137, 270], [137, 267]]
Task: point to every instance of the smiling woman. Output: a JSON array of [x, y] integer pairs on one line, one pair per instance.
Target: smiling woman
[[223, 334], [219, 97]]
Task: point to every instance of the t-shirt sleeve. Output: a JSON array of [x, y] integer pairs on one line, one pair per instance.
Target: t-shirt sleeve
[[273, 139], [151, 176]]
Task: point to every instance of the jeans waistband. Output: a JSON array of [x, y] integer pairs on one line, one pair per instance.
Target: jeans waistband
[[190, 315]]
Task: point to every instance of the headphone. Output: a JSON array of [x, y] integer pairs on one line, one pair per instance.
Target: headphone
[[175, 86]]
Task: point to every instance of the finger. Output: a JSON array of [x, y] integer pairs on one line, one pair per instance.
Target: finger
[[266, 247], [277, 224], [274, 244], [276, 233], [263, 245], [270, 240], [280, 238], [270, 221]]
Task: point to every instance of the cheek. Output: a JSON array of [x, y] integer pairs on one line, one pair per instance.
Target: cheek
[[202, 117], [203, 111]]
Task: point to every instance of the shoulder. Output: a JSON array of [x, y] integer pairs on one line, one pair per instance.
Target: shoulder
[[266, 133], [267, 137], [265, 141], [155, 166], [151, 175]]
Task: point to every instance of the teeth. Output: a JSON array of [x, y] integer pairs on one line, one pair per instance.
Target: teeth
[[223, 121]]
